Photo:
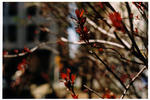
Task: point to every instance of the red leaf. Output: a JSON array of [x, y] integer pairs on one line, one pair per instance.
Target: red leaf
[[124, 78], [94, 45], [24, 60], [83, 20], [16, 51], [113, 67], [27, 49], [5, 53], [68, 70], [63, 76], [100, 49], [101, 5], [78, 30], [116, 20], [22, 51], [85, 90], [74, 96], [77, 12], [137, 17], [21, 66], [136, 30], [60, 43], [81, 12], [73, 78], [85, 29]]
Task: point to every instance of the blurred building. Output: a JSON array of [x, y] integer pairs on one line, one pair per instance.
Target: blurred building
[[20, 25], [21, 22]]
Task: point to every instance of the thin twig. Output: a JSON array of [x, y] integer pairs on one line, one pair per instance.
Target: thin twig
[[138, 52], [31, 50], [131, 82], [109, 69], [105, 32], [124, 57], [93, 41], [92, 91], [40, 45]]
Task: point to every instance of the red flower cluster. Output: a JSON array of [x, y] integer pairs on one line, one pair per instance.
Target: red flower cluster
[[79, 13], [81, 29], [22, 65], [27, 50], [116, 20], [69, 78], [101, 4], [5, 53], [69, 81], [59, 42], [109, 95], [74, 96], [124, 78], [138, 5], [136, 30], [100, 49], [16, 51]]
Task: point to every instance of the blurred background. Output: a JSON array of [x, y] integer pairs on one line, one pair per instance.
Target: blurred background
[[46, 27]]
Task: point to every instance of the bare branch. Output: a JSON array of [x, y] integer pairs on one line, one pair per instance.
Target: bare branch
[[92, 91], [40, 45], [107, 33], [131, 82], [93, 41]]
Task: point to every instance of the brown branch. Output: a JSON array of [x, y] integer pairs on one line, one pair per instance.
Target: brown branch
[[93, 41], [122, 41], [125, 58], [107, 4], [97, 14], [138, 52], [92, 91], [32, 50], [131, 82], [109, 69]]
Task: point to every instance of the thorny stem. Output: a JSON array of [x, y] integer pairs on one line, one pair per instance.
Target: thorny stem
[[92, 91], [131, 82]]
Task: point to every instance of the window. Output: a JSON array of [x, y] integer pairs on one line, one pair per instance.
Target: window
[[43, 36], [31, 32], [4, 33], [5, 5], [31, 11], [13, 9], [12, 33]]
